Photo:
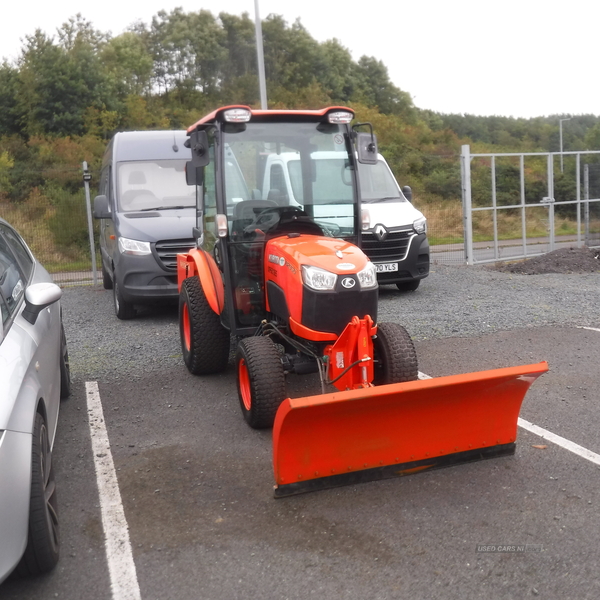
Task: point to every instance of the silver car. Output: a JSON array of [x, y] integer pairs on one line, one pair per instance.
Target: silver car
[[34, 375]]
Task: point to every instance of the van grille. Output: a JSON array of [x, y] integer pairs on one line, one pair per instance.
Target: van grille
[[168, 250], [392, 249]]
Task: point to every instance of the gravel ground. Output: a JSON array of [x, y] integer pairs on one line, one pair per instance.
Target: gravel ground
[[454, 301]]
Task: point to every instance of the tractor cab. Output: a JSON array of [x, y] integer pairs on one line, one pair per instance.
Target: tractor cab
[[241, 205]]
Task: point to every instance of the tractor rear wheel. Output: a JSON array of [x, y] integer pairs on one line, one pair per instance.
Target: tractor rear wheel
[[394, 354], [204, 341], [260, 381]]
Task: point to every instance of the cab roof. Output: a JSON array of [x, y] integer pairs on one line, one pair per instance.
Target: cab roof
[[266, 115]]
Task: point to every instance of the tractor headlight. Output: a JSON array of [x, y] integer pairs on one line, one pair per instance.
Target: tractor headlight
[[127, 246], [368, 277], [420, 225], [318, 279]]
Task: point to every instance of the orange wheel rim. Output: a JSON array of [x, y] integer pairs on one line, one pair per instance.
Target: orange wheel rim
[[244, 380], [187, 334]]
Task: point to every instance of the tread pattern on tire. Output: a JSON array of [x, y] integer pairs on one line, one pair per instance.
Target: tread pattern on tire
[[42, 551], [209, 340], [267, 380], [395, 348]]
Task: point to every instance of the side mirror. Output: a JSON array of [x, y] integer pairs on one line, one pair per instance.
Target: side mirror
[[407, 191], [366, 147], [193, 175], [101, 208], [198, 144], [37, 297]]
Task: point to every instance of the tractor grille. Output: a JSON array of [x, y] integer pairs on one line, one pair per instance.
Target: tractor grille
[[392, 249], [168, 250]]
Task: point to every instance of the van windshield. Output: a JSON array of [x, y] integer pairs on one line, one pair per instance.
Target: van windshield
[[152, 185], [280, 168], [377, 183]]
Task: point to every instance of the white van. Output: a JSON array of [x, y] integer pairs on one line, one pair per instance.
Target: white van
[[394, 232]]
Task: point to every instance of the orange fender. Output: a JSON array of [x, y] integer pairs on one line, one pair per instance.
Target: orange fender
[[198, 263]]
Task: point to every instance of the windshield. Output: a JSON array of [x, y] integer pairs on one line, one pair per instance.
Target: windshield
[[377, 183], [279, 169], [153, 184]]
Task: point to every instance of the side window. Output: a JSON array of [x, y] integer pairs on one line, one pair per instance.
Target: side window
[[20, 251], [210, 200], [12, 280]]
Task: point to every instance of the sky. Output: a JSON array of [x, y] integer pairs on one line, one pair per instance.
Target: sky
[[519, 58]]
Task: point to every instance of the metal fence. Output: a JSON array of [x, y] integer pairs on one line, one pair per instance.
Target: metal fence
[[520, 205]]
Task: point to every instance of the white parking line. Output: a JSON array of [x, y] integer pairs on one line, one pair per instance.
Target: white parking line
[[123, 577], [548, 435]]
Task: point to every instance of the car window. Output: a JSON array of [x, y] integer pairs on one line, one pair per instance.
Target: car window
[[12, 278], [20, 250]]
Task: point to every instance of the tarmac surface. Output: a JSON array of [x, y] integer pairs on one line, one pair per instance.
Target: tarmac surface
[[196, 487]]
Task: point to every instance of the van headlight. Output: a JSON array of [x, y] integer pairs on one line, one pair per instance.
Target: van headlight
[[368, 277], [420, 225], [135, 247], [318, 279]]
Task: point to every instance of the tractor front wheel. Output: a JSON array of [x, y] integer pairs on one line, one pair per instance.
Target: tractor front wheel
[[260, 381], [204, 341], [394, 354]]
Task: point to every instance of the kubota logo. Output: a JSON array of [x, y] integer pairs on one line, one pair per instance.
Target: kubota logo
[[348, 282], [380, 232]]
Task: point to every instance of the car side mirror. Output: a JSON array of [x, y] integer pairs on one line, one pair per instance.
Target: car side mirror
[[366, 147], [407, 191], [101, 208], [198, 144], [37, 297]]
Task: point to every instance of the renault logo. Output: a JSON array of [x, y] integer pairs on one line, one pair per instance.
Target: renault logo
[[348, 282], [381, 232]]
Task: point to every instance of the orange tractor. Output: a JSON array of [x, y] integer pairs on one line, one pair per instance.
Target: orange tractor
[[286, 279]]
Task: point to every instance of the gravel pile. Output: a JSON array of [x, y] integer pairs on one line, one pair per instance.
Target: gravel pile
[[454, 301]]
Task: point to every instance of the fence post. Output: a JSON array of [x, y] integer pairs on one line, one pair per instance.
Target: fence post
[[465, 173], [87, 176]]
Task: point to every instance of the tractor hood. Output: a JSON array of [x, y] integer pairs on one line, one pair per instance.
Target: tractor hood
[[331, 254]]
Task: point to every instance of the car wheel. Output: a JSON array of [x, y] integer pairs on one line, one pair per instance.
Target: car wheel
[[42, 551], [409, 286], [65, 370], [260, 381], [106, 280], [395, 356], [123, 309], [204, 341]]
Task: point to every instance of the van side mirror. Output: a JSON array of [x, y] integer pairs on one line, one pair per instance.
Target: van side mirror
[[193, 175], [101, 208], [366, 147], [407, 191], [198, 144]]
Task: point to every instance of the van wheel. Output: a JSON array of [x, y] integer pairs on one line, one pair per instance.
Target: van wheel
[[260, 381], [409, 286], [42, 551], [123, 309], [204, 341], [395, 356]]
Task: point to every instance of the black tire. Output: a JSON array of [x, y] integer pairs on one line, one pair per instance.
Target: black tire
[[260, 381], [123, 309], [409, 286], [204, 341], [42, 551], [106, 280], [65, 370], [395, 355]]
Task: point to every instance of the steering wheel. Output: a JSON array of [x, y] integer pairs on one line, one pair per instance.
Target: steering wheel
[[271, 216]]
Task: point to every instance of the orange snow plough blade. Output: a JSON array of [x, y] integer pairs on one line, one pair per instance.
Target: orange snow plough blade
[[392, 430]]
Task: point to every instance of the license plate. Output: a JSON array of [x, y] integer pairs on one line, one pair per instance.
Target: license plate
[[384, 267]]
